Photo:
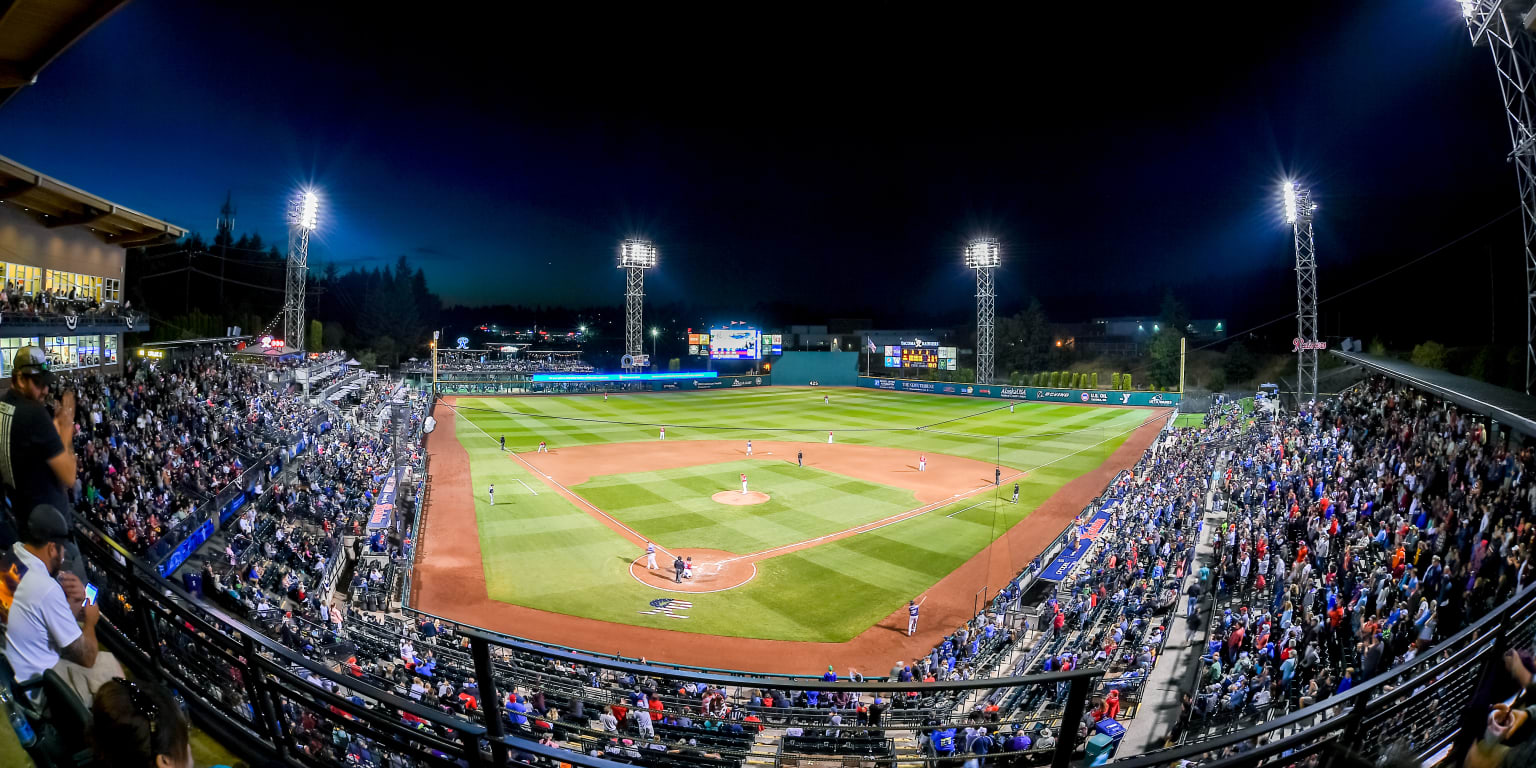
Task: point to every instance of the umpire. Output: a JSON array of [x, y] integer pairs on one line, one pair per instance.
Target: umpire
[[37, 457]]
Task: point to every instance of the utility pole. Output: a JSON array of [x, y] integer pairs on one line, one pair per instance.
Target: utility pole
[[226, 232]]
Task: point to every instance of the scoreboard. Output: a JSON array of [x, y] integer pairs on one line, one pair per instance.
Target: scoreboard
[[920, 354]]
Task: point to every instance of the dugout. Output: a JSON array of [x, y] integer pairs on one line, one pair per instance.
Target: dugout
[[823, 369]]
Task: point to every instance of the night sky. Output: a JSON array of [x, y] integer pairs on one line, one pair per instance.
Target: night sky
[[839, 163]]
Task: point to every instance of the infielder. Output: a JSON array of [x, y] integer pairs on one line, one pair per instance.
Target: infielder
[[650, 555], [542, 447], [749, 447], [1015, 493], [743, 483], [922, 462], [912, 607], [491, 492], [605, 395], [663, 434], [800, 458], [997, 475]]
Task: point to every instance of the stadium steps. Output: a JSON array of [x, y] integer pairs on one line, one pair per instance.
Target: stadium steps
[[765, 748]]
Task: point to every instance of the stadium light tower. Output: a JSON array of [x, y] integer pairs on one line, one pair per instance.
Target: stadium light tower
[[1298, 213], [1502, 26], [303, 215], [635, 257], [983, 256]]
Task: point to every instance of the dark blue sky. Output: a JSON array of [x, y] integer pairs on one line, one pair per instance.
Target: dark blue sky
[[839, 163]]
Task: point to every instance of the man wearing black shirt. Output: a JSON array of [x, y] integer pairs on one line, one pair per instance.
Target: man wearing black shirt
[[37, 460]]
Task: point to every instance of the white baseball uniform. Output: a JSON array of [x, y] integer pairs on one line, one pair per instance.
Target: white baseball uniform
[[650, 555], [491, 492], [663, 434], [922, 463], [829, 438], [749, 447], [743, 482]]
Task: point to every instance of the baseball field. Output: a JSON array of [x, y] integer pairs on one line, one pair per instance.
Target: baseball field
[[912, 497]]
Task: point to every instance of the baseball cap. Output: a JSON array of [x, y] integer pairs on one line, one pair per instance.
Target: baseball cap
[[33, 361], [47, 522]]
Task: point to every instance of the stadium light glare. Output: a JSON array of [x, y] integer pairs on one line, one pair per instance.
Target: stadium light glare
[[982, 254], [309, 209], [637, 253], [1468, 8], [1290, 202]]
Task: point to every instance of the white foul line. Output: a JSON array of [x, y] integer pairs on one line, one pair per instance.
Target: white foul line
[[529, 487], [958, 511]]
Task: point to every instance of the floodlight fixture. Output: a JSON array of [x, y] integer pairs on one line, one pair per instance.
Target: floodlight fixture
[[637, 253], [983, 254], [1290, 202], [308, 210]]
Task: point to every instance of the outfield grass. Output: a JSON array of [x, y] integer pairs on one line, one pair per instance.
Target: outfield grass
[[544, 552], [1189, 420]]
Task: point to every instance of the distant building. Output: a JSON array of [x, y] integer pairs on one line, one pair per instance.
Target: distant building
[[1130, 336]]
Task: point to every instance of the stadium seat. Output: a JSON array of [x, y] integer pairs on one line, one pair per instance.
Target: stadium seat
[[56, 714]]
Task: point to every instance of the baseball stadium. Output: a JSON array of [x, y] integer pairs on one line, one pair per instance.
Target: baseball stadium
[[621, 459]]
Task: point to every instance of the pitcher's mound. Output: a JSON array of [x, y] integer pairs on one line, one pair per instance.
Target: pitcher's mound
[[739, 499], [713, 571]]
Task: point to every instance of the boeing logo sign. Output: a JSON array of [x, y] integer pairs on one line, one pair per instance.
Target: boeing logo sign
[[1052, 394], [1298, 345]]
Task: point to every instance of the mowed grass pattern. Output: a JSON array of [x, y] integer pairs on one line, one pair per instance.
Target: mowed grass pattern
[[673, 507], [545, 552]]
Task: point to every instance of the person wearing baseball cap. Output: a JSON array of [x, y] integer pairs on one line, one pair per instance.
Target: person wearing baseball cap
[[52, 624], [37, 458]]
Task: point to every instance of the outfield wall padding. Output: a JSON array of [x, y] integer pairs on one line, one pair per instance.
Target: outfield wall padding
[[817, 369], [1041, 394]]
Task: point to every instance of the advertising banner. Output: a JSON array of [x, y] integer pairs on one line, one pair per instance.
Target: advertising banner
[[384, 509], [1036, 394], [1062, 565], [723, 382]]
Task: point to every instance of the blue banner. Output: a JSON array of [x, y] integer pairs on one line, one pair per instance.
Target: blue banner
[[1062, 565], [233, 506], [185, 549], [384, 510], [1036, 394]]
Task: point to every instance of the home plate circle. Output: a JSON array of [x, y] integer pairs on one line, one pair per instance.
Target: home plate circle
[[713, 571], [739, 499]]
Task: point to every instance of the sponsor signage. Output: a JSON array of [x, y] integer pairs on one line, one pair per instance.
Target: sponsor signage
[[384, 509], [1062, 565], [1037, 394], [1298, 345]]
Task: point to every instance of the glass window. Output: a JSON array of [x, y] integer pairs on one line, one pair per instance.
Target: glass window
[[86, 287], [109, 351], [112, 289], [22, 277], [8, 349], [71, 352]]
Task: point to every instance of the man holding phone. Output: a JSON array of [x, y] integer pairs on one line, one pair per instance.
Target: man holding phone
[[37, 457], [52, 624]]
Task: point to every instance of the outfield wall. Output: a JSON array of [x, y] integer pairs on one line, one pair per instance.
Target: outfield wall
[[817, 369], [1039, 394]]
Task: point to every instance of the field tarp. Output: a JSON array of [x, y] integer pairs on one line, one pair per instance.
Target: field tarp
[[1040, 394]]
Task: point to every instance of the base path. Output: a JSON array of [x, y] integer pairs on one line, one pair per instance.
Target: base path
[[449, 576]]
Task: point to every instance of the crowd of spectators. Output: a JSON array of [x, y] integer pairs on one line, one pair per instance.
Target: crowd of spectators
[[1359, 532], [59, 301]]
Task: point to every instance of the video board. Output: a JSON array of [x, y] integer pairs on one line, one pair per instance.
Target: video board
[[735, 344], [698, 343], [920, 354]]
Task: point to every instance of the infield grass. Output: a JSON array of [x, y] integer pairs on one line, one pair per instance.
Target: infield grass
[[542, 551]]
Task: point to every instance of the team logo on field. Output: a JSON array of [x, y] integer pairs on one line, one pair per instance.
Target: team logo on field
[[667, 606]]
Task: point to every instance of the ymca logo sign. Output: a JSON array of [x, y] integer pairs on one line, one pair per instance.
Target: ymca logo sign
[[1125, 397]]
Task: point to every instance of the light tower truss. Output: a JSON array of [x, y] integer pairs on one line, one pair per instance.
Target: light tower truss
[[1298, 211], [983, 256], [1505, 27], [301, 221], [635, 257]]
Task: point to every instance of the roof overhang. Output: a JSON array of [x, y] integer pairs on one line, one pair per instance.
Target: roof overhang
[[1506, 406], [34, 32], [56, 204]]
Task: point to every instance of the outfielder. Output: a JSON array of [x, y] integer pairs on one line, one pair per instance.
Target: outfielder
[[1010, 407], [491, 492], [743, 483], [922, 463], [829, 437], [663, 434], [749, 447], [826, 399], [650, 555], [912, 607], [503, 442]]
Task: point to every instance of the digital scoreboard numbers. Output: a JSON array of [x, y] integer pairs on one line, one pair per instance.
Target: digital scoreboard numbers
[[920, 354], [919, 357]]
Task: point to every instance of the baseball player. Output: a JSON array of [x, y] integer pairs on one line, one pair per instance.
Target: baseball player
[[605, 395], [829, 437], [503, 442], [543, 448], [922, 462], [800, 458], [650, 555], [743, 483], [997, 475], [1015, 493], [912, 606], [663, 434], [826, 399], [749, 447], [491, 492], [1010, 407]]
